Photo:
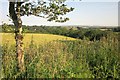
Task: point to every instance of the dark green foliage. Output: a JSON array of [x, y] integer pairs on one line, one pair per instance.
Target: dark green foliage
[[117, 29], [76, 32], [95, 34], [7, 28]]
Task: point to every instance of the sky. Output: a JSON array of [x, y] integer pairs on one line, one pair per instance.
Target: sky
[[87, 12]]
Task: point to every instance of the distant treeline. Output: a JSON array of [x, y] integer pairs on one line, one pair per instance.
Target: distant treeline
[[75, 32]]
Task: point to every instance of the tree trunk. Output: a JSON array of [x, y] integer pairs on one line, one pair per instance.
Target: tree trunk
[[15, 15], [19, 42]]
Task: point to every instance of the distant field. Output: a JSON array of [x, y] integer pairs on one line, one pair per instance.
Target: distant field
[[37, 38]]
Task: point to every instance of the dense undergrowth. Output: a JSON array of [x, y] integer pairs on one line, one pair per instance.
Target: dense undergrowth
[[65, 59]]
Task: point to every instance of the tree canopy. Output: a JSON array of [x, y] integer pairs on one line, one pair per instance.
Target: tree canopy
[[52, 10]]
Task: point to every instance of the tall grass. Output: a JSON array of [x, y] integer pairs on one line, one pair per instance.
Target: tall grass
[[65, 59]]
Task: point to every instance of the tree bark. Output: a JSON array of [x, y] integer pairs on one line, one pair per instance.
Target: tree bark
[[15, 15]]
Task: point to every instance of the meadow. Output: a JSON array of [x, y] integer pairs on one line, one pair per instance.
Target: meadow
[[53, 56], [38, 39]]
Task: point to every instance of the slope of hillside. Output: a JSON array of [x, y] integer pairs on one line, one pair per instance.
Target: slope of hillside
[[35, 38]]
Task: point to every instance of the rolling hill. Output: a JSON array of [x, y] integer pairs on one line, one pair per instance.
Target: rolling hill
[[35, 38]]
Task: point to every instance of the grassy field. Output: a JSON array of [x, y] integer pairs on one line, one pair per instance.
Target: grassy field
[[62, 57], [38, 39]]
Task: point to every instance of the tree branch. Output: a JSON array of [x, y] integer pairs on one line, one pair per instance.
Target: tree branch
[[12, 13]]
